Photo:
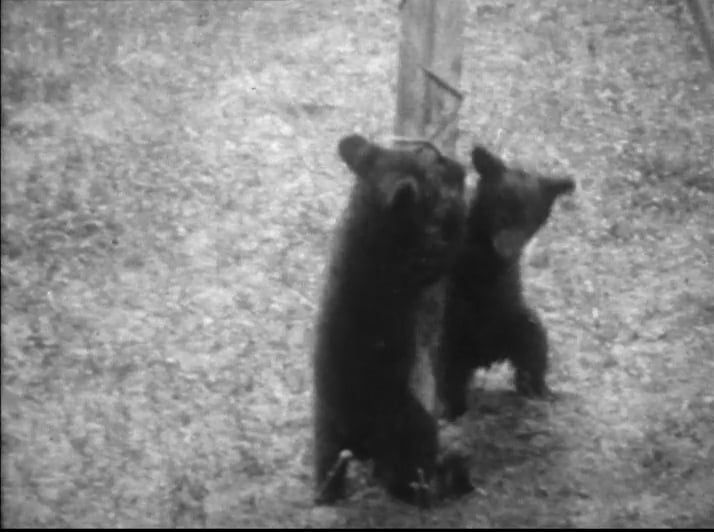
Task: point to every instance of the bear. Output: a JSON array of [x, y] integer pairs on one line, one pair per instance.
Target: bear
[[397, 236], [486, 317]]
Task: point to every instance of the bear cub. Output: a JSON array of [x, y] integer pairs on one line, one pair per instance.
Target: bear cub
[[486, 317], [398, 234]]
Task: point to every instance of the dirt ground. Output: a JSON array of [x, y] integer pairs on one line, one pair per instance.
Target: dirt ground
[[169, 188]]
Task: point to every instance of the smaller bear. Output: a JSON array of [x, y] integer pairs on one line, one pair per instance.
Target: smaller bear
[[486, 317], [398, 235]]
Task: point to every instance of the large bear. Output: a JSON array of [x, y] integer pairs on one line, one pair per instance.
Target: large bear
[[398, 235], [486, 317]]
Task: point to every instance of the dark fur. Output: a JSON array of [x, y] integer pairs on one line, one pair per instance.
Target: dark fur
[[397, 236], [486, 318]]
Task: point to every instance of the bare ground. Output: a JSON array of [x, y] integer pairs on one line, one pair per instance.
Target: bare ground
[[169, 186]]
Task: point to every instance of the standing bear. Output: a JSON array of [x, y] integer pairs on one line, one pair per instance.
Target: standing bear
[[486, 317], [398, 235]]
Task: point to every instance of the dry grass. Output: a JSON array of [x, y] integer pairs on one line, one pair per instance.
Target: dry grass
[[169, 186]]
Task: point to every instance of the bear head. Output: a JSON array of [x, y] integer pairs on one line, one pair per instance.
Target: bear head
[[415, 198], [511, 204]]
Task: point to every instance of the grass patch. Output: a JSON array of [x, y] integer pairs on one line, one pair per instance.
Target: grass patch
[[169, 188]]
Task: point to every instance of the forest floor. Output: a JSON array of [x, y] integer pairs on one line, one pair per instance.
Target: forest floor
[[169, 189]]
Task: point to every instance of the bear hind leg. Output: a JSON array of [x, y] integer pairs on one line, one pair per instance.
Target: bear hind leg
[[529, 356], [406, 454], [331, 462]]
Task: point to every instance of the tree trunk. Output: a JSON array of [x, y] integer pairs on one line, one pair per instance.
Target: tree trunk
[[428, 100]]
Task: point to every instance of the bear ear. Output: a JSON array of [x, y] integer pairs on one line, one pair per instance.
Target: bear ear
[[555, 186], [486, 163], [509, 243], [403, 195], [357, 153]]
